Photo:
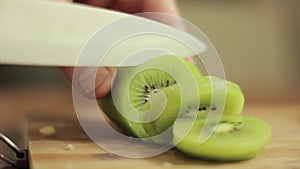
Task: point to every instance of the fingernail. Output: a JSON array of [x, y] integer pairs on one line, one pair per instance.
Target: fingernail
[[101, 77], [90, 75], [103, 89]]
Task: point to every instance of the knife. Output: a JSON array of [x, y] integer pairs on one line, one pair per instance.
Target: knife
[[49, 33]]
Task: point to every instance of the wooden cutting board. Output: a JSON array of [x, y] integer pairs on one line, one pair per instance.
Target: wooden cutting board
[[48, 152]]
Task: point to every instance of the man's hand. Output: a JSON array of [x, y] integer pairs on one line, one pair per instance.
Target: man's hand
[[105, 74]]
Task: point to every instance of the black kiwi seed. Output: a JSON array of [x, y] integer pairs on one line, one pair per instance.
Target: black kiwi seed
[[146, 100], [234, 128], [151, 88], [213, 108]]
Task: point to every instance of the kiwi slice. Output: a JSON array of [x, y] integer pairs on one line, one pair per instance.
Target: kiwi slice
[[143, 88], [217, 96], [210, 85], [233, 138]]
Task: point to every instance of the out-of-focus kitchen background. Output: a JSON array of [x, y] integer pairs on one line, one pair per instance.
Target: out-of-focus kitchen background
[[258, 42]]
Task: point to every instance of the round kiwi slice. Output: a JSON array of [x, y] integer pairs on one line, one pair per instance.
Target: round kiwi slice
[[210, 85], [143, 87], [233, 138], [217, 96]]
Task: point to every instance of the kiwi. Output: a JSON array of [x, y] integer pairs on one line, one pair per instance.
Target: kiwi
[[139, 92], [217, 96], [233, 138]]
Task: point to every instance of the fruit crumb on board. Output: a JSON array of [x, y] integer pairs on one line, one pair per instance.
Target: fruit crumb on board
[[69, 147], [47, 130], [167, 164]]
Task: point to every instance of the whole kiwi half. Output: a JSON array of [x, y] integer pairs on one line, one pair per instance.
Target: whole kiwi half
[[233, 138], [142, 87]]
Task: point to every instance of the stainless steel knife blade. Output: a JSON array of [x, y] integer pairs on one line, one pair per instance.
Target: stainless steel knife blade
[[47, 33]]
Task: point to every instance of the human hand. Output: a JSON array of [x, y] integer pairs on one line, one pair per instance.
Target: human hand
[[105, 74]]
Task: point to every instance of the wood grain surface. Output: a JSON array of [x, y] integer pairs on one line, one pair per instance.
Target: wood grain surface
[[52, 106], [50, 151]]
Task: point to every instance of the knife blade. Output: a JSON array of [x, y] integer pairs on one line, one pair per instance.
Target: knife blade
[[48, 33]]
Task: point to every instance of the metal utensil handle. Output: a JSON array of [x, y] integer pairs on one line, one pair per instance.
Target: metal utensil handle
[[7, 159], [12, 145]]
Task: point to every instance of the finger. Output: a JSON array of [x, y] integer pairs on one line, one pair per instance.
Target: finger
[[68, 72], [102, 89], [164, 6], [82, 81], [103, 77], [169, 7], [98, 3], [128, 6], [63, 0]]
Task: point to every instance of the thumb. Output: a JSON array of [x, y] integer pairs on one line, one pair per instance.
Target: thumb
[[84, 76]]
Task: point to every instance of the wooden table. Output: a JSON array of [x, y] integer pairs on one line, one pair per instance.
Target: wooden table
[[48, 152]]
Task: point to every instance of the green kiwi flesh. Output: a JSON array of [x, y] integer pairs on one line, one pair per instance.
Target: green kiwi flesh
[[234, 98], [227, 99], [217, 96], [147, 81], [151, 81], [234, 138]]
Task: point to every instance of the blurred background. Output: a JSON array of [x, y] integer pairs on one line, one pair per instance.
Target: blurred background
[[258, 42]]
